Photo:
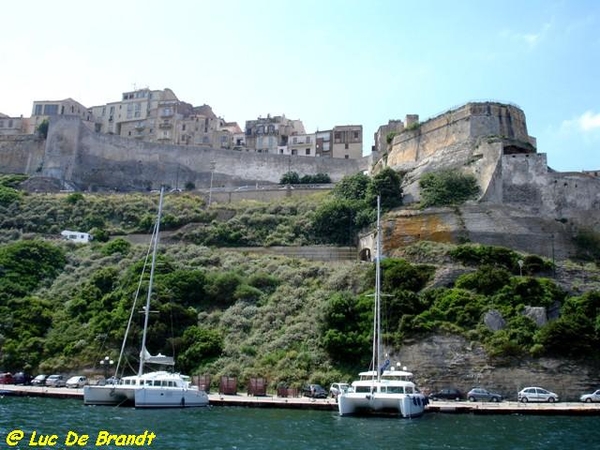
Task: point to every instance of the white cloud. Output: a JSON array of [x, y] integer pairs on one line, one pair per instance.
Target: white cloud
[[531, 40], [586, 122], [589, 121]]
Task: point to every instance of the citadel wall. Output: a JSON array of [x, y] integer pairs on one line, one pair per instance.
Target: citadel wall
[[21, 154], [457, 126], [93, 161]]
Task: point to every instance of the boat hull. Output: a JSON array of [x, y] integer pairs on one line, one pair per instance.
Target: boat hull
[[109, 395], [404, 405], [151, 397]]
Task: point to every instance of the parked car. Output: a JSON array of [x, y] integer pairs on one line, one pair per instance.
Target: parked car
[[536, 394], [337, 388], [39, 380], [483, 395], [589, 398], [76, 382], [447, 394], [6, 378], [56, 381], [22, 378], [314, 391]]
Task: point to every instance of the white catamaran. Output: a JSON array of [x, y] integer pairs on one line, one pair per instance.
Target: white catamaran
[[159, 389], [383, 389]]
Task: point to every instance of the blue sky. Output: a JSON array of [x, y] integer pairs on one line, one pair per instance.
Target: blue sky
[[326, 62]]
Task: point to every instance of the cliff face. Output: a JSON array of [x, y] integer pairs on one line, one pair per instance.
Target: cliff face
[[521, 229], [451, 361]]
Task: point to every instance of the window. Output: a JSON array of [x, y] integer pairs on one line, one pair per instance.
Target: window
[[308, 139], [50, 110], [346, 146], [308, 151], [356, 135], [294, 151], [38, 110], [1, 123], [337, 137], [294, 140]]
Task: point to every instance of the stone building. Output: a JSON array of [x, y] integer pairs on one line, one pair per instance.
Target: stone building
[[44, 109], [382, 133], [301, 145], [347, 142], [12, 126], [269, 134]]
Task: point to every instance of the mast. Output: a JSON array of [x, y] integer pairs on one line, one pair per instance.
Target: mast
[[377, 330], [147, 307]]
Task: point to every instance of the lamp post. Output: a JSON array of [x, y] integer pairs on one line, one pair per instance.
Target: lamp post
[[212, 174], [106, 363]]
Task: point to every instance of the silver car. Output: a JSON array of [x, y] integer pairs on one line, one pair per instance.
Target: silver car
[[589, 398], [483, 395], [536, 394]]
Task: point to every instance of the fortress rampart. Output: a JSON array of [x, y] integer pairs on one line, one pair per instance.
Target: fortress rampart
[[458, 126], [92, 161]]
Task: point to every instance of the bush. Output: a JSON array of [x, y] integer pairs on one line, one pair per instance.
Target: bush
[[447, 187]]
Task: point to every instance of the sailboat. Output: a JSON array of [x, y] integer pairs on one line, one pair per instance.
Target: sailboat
[[157, 389], [384, 388]]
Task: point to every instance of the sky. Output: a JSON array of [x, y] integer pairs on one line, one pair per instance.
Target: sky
[[325, 62]]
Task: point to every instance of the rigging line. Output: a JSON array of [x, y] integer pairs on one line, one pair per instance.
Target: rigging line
[[133, 306]]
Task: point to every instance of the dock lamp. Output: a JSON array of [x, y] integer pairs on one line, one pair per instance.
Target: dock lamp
[[106, 363]]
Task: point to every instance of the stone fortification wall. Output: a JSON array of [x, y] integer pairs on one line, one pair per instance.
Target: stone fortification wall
[[566, 197], [99, 161], [21, 154], [471, 121]]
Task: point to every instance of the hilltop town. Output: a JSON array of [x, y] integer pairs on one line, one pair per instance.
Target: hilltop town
[[150, 138], [158, 116]]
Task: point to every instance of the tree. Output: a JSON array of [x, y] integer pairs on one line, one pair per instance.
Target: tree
[[352, 187], [334, 222], [290, 178], [42, 129], [387, 185]]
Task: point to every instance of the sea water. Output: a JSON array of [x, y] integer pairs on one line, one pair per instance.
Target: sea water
[[27, 423]]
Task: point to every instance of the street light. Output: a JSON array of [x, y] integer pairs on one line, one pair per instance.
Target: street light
[[212, 174], [106, 363]]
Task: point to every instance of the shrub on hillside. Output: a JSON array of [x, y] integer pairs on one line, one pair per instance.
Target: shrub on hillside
[[447, 187]]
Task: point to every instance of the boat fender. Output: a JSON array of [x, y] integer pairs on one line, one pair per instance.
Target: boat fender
[[414, 401], [419, 401], [183, 402]]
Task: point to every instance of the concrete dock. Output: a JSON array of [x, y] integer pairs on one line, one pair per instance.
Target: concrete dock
[[329, 404]]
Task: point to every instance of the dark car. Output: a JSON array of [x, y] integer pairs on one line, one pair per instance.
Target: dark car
[[39, 380], [447, 394], [314, 391], [22, 378], [6, 378]]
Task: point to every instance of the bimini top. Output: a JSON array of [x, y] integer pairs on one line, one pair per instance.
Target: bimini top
[[386, 375]]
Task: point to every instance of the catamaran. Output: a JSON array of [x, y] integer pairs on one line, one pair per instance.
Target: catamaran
[[158, 389], [384, 388]]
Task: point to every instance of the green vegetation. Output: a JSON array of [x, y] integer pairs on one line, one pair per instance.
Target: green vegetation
[[227, 312], [447, 187], [42, 129], [294, 178]]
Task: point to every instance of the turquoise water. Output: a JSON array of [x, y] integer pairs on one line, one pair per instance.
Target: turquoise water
[[254, 428]]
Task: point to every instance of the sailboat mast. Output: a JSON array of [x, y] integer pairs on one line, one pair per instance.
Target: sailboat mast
[[147, 308], [378, 295]]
